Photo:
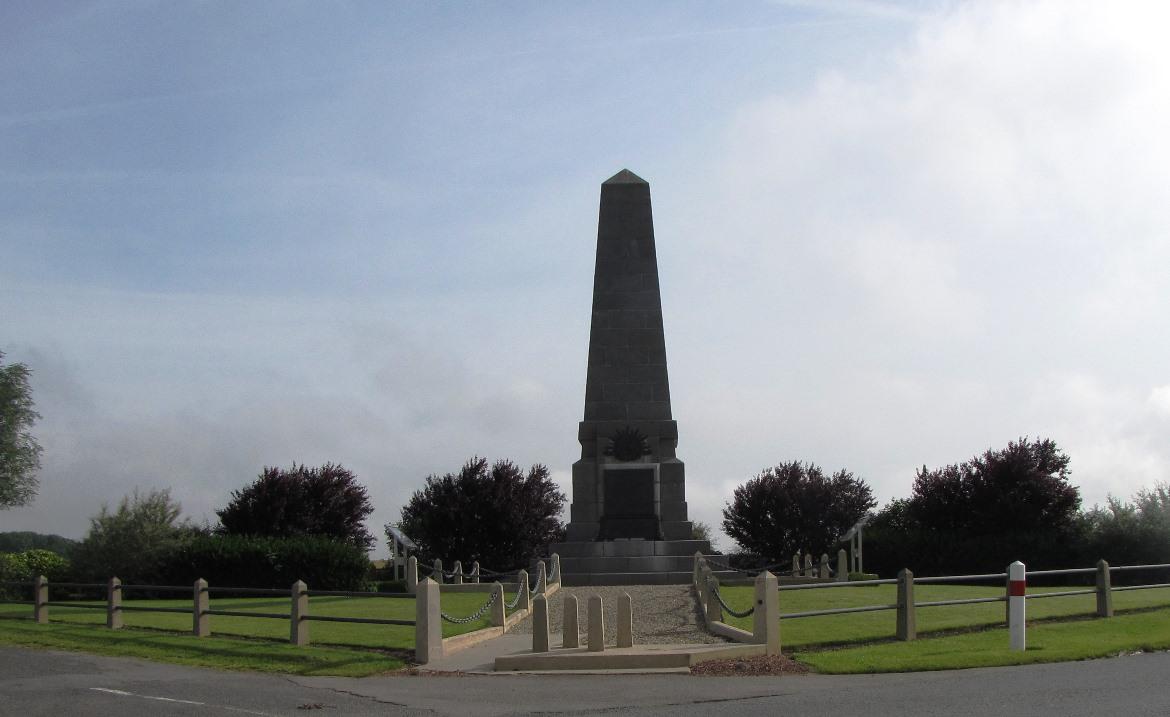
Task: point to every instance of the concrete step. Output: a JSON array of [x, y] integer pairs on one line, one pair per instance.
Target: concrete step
[[676, 577], [630, 548], [647, 564]]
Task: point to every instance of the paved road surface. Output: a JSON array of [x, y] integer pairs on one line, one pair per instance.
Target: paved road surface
[[36, 682]]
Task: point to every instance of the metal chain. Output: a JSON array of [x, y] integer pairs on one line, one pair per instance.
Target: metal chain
[[516, 600], [474, 616], [539, 583], [714, 586]]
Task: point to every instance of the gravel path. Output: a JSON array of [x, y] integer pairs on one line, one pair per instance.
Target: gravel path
[[663, 614]]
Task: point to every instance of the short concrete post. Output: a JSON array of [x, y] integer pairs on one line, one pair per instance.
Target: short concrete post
[[808, 565], [498, 608], [428, 623], [1104, 590], [695, 567], [525, 596], [842, 566], [907, 624], [540, 624], [457, 578], [437, 571], [596, 624], [823, 570], [570, 627], [796, 564], [556, 569], [1017, 590], [542, 577], [298, 625], [475, 572], [625, 625], [114, 604], [200, 620], [714, 609], [412, 575], [41, 600], [766, 624]]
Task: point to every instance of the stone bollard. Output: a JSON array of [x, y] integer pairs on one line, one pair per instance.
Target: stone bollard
[[200, 620], [525, 596], [766, 624], [41, 600], [714, 609], [823, 570], [114, 604], [1104, 590], [842, 566], [412, 575], [570, 627], [907, 625], [437, 571], [475, 572], [796, 564], [696, 568], [540, 624], [428, 622], [542, 577], [596, 624], [625, 625], [298, 625], [457, 578], [556, 568], [499, 610], [808, 565]]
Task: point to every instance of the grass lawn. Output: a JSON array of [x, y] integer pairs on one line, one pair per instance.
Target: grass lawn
[[153, 635], [870, 626], [1047, 642]]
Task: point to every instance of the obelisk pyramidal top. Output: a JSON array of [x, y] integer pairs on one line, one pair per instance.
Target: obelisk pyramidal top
[[628, 483]]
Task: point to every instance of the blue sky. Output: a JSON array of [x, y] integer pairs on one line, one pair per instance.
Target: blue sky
[[890, 234]]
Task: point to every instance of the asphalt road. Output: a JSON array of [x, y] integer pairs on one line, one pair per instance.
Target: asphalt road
[[38, 682]]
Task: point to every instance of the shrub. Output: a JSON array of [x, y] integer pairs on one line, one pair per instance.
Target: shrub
[[268, 562], [134, 542]]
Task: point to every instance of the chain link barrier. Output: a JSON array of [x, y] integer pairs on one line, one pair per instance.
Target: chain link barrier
[[474, 616], [516, 600], [713, 586], [539, 584]]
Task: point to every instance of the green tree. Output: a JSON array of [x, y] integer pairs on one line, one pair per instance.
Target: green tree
[[20, 455], [135, 541]]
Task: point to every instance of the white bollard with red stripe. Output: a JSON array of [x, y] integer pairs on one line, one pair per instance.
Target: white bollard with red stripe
[[1017, 589]]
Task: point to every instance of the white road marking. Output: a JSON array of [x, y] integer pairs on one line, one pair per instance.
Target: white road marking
[[124, 693]]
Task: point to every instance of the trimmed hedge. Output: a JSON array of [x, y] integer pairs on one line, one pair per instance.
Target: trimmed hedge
[[268, 562]]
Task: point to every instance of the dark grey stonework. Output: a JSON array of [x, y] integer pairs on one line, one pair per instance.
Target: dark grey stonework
[[628, 483]]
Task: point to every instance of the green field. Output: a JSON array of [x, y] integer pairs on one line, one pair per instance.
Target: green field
[[869, 626], [244, 642]]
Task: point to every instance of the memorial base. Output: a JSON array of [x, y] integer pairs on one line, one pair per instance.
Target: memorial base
[[628, 562]]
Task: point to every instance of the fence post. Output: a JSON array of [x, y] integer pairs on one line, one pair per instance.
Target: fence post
[[766, 626], [457, 568], [695, 569], [525, 597], [714, 609], [556, 568], [1017, 589], [596, 624], [298, 626], [428, 622], [570, 629], [796, 564], [540, 624], [41, 600], [437, 571], [200, 620], [542, 577], [842, 566], [499, 610], [1104, 590], [475, 571], [114, 604], [412, 575], [907, 625], [625, 625], [823, 572], [808, 568]]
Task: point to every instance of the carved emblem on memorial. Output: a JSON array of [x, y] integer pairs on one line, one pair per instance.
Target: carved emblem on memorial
[[628, 445]]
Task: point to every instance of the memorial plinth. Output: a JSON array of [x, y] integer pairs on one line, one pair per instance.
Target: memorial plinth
[[629, 510]]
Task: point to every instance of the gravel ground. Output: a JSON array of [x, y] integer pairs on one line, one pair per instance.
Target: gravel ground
[[663, 614]]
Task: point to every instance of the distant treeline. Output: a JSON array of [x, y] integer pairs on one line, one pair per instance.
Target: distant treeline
[[20, 541]]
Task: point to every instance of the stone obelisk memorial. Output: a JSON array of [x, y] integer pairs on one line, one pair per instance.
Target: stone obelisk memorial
[[628, 521]]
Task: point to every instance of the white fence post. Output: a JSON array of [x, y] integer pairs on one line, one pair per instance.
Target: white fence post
[[475, 571], [1104, 590], [428, 622], [823, 570], [766, 626], [1017, 589], [412, 575], [499, 609], [41, 600], [907, 625], [556, 569], [458, 570], [114, 604], [540, 624], [596, 624], [437, 567], [298, 625], [625, 621], [842, 566], [200, 620], [570, 630], [525, 596], [542, 577]]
